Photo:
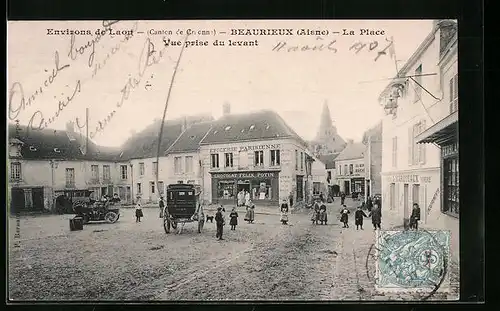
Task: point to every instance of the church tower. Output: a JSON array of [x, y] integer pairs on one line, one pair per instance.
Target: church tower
[[327, 139]]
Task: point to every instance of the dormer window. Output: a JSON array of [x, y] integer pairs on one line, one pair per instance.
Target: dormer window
[[242, 130], [252, 127], [215, 132], [193, 137], [267, 127], [32, 148], [57, 150], [227, 128]]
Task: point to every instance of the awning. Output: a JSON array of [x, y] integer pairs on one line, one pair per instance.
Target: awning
[[443, 131]]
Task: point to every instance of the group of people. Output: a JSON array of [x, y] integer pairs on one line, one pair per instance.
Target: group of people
[[244, 198], [375, 214], [220, 219]]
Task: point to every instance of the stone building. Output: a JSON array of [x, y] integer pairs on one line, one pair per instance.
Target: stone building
[[372, 139], [423, 98], [350, 165]]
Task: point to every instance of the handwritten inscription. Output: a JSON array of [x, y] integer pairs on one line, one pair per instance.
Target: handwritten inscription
[[17, 101], [284, 46], [148, 57]]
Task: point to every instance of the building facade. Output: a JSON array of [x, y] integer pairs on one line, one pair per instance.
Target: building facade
[[373, 161], [333, 188], [411, 171], [350, 165]]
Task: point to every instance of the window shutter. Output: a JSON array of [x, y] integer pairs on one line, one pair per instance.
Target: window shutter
[[410, 145]]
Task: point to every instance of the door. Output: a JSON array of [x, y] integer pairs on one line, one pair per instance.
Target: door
[[405, 203], [347, 189], [104, 191], [128, 195], [17, 200], [300, 188], [37, 198]]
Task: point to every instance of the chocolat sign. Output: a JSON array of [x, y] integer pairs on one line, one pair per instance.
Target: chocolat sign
[[245, 175], [246, 148]]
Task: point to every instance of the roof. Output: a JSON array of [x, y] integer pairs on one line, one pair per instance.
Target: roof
[[261, 125], [352, 151], [56, 144], [189, 140], [329, 160], [145, 143]]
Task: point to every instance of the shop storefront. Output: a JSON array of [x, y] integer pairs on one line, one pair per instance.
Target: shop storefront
[[445, 134], [263, 186]]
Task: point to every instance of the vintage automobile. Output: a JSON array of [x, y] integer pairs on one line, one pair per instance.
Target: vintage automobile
[[182, 206], [92, 210]]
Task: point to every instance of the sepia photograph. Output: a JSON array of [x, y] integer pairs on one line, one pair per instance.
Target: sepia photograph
[[233, 160]]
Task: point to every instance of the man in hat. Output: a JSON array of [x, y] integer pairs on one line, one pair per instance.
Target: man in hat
[[219, 220], [162, 206]]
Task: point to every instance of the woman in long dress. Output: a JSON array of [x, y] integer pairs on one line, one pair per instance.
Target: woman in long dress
[[250, 215], [241, 198], [247, 199], [284, 212]]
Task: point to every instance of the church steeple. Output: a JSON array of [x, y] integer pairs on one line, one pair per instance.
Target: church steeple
[[327, 137]]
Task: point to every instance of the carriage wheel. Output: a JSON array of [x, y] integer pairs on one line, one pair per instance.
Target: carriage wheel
[[166, 224], [200, 225], [111, 217], [174, 224]]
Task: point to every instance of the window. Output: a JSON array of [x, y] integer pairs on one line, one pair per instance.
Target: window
[[15, 171], [301, 161], [226, 190], [329, 176], [275, 157], [451, 186], [418, 79], [123, 171], [152, 186], [228, 159], [259, 158], [189, 164], [345, 169], [141, 169], [214, 160], [296, 159], [95, 172], [416, 152], [70, 177], [139, 188], [161, 190], [106, 172], [178, 165], [155, 168], [454, 94], [395, 151], [340, 169], [351, 169]]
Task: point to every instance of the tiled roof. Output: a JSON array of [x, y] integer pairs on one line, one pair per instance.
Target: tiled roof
[[56, 144], [190, 139], [352, 151], [329, 160], [145, 143], [261, 125]]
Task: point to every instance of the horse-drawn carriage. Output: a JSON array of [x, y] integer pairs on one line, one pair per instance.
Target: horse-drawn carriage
[[182, 206], [92, 210]]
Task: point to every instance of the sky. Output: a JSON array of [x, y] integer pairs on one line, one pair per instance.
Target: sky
[[66, 74]]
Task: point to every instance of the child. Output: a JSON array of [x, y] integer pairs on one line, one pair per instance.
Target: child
[[284, 212], [358, 217], [219, 220], [138, 212], [344, 218], [376, 215], [234, 219]]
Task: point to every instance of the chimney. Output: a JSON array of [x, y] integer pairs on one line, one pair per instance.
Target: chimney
[[226, 109]]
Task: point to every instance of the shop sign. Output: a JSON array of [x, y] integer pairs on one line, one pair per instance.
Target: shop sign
[[246, 175], [246, 148], [416, 179]]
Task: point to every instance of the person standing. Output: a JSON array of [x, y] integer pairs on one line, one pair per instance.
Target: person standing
[[138, 212], [342, 198], [358, 218], [233, 219], [241, 198], [415, 216], [284, 212], [376, 216], [247, 198], [250, 215], [344, 216], [290, 198], [321, 197], [219, 221], [369, 204], [162, 206]]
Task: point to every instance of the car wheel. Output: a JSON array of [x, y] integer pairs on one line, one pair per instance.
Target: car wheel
[[111, 217]]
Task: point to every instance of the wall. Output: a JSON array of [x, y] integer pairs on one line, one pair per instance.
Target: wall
[[373, 164], [146, 194], [194, 176]]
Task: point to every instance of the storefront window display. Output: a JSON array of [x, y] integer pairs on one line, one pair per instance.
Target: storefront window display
[[261, 190], [226, 189]]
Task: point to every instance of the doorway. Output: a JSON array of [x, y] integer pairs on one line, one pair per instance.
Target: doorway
[[347, 189], [300, 188], [37, 198], [406, 215], [17, 200]]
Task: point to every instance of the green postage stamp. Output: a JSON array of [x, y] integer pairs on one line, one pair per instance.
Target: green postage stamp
[[412, 260]]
